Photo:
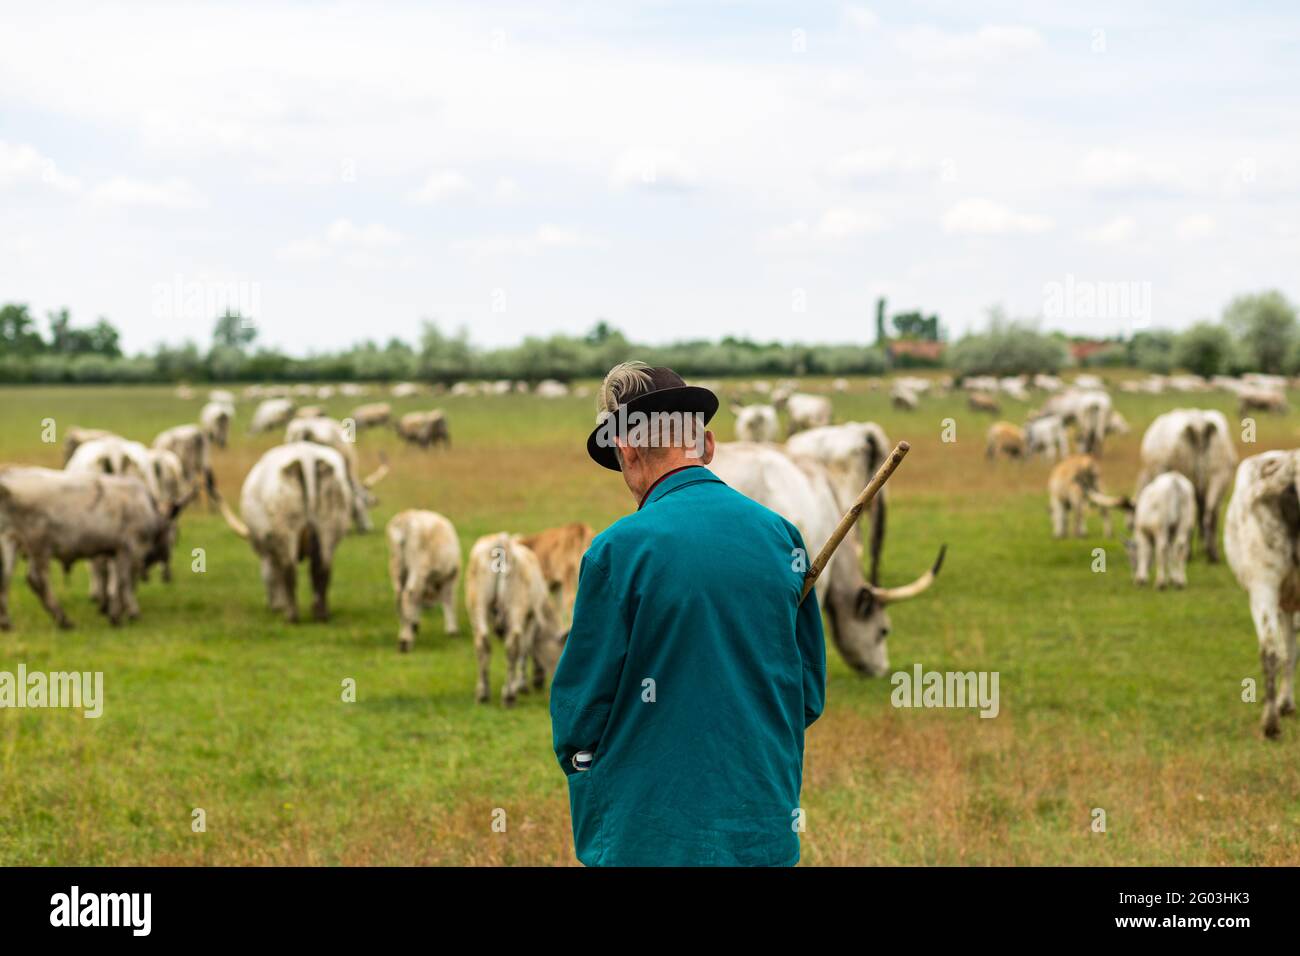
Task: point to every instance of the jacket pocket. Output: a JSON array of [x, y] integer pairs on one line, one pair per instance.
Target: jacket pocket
[[584, 808]]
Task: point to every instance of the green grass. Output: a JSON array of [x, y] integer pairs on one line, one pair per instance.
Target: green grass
[[1111, 697]]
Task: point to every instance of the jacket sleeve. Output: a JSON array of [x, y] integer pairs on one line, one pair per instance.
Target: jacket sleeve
[[812, 651], [582, 691]]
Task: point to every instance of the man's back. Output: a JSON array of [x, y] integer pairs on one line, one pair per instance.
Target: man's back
[[692, 672]]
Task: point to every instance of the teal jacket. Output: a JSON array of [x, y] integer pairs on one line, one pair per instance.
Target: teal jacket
[[691, 671]]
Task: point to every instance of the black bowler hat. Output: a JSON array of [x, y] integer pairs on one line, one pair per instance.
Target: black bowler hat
[[644, 389]]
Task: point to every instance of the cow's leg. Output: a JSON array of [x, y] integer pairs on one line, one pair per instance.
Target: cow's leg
[[288, 572], [1178, 557], [1287, 705], [1060, 518], [1079, 506], [409, 612], [274, 582], [1210, 522], [1272, 651], [8, 556], [447, 597], [514, 665], [321, 564], [1162, 560], [124, 585], [38, 579], [1142, 573], [1107, 529], [99, 583], [483, 651]]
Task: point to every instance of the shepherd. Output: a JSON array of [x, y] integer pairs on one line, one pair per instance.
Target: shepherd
[[692, 668]]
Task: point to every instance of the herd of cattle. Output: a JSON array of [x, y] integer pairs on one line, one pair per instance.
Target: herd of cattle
[[116, 504]]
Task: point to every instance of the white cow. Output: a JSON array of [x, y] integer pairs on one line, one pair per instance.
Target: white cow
[[756, 423], [1260, 538], [1196, 443], [333, 434], [424, 568], [802, 492], [1046, 436], [215, 418], [271, 413], [1163, 518], [807, 411], [296, 505], [506, 594]]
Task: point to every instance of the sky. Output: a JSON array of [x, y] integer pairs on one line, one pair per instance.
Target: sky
[[343, 171]]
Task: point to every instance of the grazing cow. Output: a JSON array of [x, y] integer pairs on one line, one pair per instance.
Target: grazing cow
[[309, 411], [1071, 487], [1005, 439], [559, 551], [982, 402], [77, 436], [332, 434], [756, 422], [506, 595], [372, 415], [1163, 518], [163, 477], [296, 505], [190, 444], [1088, 411], [424, 567], [1046, 436], [424, 428], [807, 411], [1261, 400], [851, 454], [1196, 443], [1261, 531], [272, 413], [1116, 424], [903, 398], [215, 419], [70, 516], [802, 492]]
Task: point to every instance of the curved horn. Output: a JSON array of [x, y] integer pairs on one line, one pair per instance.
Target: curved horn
[[874, 455], [1108, 501], [232, 519], [890, 595], [379, 473]]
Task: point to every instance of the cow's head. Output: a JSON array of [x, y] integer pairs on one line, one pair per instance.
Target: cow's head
[[860, 619]]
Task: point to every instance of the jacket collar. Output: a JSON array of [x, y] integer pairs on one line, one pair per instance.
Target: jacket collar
[[670, 481]]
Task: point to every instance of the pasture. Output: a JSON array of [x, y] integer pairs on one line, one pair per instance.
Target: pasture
[[1112, 697]]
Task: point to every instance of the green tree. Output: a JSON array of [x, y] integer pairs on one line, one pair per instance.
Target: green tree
[[232, 332], [1265, 325], [1204, 349], [18, 335]]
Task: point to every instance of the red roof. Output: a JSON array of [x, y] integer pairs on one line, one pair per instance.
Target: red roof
[[918, 348], [1081, 350]]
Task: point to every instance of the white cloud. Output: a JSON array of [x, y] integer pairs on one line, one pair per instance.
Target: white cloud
[[547, 236], [1119, 229], [860, 17], [21, 164], [442, 184], [983, 217], [654, 170], [841, 222], [988, 44], [345, 238], [505, 190], [1194, 227], [171, 193], [1121, 170], [345, 232]]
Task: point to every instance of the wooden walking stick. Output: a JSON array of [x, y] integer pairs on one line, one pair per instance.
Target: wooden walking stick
[[851, 516]]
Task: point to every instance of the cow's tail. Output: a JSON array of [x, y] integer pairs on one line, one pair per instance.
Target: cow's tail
[[502, 578]]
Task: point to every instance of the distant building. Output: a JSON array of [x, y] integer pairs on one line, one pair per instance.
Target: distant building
[[916, 349], [1086, 348]]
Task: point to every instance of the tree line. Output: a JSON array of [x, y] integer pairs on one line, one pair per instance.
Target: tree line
[[1255, 333]]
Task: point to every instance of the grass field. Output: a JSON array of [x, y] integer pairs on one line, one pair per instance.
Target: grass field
[[1111, 697]]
